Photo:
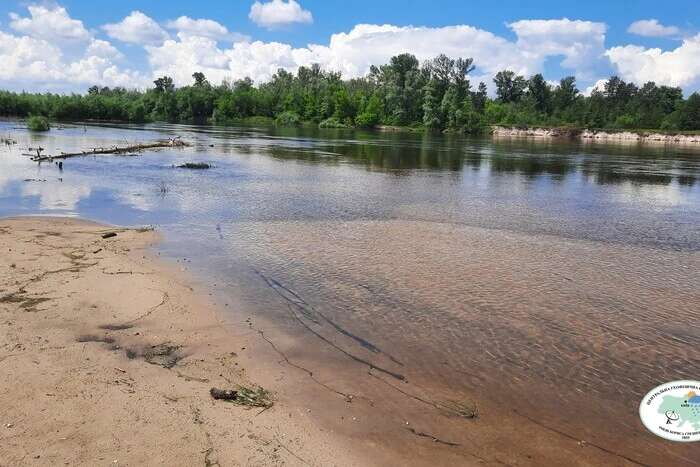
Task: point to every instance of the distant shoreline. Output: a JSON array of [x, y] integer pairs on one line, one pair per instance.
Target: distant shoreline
[[585, 135]]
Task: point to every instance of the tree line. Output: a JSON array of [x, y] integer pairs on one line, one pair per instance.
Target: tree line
[[436, 95]]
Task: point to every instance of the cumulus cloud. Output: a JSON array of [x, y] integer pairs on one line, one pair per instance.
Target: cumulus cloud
[[47, 49], [352, 53], [52, 23], [180, 58], [208, 28], [28, 59], [54, 51], [276, 13], [597, 86], [103, 49], [677, 67], [581, 43], [31, 63], [137, 28], [652, 28]]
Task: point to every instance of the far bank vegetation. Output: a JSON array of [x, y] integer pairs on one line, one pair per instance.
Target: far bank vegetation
[[435, 95]]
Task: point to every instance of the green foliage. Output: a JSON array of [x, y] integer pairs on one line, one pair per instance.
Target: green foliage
[[38, 123], [625, 122], [539, 90], [431, 110], [371, 115], [509, 86], [690, 114], [287, 118], [436, 95], [332, 122], [469, 120]]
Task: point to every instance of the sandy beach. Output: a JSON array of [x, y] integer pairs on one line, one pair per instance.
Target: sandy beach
[[109, 354], [108, 359]]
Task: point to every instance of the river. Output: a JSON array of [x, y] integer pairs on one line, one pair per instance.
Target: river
[[537, 282]]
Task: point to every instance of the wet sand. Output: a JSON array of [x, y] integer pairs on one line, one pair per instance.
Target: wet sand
[[75, 307], [554, 340]]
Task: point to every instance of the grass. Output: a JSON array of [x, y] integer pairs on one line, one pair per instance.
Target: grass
[[253, 397], [38, 123]]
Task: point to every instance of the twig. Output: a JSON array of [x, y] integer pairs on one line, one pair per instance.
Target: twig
[[434, 438], [347, 397]]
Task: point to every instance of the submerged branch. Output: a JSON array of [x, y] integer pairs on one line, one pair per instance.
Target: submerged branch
[[170, 143]]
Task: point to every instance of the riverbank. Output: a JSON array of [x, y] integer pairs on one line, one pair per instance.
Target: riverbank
[[596, 135], [113, 354], [109, 358]]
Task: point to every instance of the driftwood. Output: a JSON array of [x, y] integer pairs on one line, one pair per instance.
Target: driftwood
[[170, 143]]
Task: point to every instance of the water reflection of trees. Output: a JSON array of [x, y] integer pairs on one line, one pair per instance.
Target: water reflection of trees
[[532, 167], [605, 172], [402, 153]]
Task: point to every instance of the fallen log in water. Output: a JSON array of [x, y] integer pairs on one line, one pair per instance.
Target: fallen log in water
[[170, 143]]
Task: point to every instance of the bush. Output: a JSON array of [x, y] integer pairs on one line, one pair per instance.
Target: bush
[[332, 123], [367, 120], [287, 119], [258, 121], [38, 123], [473, 123], [625, 122]]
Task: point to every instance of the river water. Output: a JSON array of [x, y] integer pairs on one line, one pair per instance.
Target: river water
[[557, 278]]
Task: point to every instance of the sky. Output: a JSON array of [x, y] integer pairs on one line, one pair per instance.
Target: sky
[[70, 45]]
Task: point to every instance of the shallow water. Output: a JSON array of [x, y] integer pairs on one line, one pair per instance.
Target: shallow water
[[451, 262]]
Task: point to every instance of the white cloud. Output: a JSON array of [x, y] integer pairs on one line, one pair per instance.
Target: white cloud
[[28, 59], [33, 63], [652, 28], [99, 70], [52, 51], [276, 13], [581, 43], [677, 67], [179, 59], [103, 49], [208, 28], [353, 53], [598, 85], [49, 23], [137, 28]]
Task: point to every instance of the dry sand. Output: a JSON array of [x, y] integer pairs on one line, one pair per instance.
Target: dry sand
[[83, 384]]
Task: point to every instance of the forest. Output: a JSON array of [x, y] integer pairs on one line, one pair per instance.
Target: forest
[[436, 95]]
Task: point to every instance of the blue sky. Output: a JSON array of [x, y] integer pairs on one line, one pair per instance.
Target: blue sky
[[590, 39]]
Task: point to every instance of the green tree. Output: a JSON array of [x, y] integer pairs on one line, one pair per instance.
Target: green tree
[[164, 84], [509, 86], [480, 97], [372, 113], [539, 90], [566, 94], [431, 106], [199, 79], [690, 113]]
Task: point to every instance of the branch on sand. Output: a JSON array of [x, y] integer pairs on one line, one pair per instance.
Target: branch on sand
[[170, 143]]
